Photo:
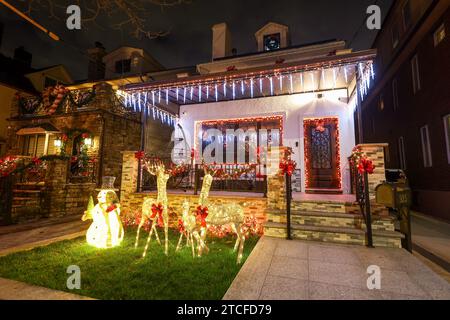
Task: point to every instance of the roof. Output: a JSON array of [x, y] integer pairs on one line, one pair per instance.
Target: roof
[[41, 128], [269, 24]]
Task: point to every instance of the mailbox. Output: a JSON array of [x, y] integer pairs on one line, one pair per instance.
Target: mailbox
[[397, 196]]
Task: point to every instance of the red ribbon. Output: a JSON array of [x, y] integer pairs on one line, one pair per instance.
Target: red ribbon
[[288, 167], [111, 208], [157, 210], [181, 226], [202, 213], [139, 155], [366, 165]]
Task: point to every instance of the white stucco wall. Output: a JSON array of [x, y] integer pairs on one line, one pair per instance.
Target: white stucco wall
[[294, 109]]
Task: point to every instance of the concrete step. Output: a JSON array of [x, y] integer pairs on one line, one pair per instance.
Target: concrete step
[[26, 191], [340, 235]]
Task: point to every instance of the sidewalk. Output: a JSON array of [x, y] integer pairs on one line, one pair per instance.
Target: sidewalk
[[431, 238], [24, 237], [296, 270]]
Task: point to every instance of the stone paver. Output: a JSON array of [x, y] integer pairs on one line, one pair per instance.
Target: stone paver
[[15, 290], [40, 236], [295, 270]]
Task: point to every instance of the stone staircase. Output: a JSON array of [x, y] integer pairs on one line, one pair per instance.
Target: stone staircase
[[27, 201], [335, 222]]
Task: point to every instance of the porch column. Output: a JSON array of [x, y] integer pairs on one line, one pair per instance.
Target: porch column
[[130, 171], [375, 152]]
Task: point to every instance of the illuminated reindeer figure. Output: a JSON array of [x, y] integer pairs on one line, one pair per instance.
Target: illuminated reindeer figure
[[161, 203], [230, 214], [190, 229]]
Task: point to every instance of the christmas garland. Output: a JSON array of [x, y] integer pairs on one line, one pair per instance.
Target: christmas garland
[[52, 98], [11, 165], [361, 161]]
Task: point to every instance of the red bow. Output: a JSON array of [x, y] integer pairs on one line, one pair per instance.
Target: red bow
[[157, 210], [366, 165], [288, 167], [139, 155], [181, 226], [202, 213], [85, 135], [36, 161], [231, 68]]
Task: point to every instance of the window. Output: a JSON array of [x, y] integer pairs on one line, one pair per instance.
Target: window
[[395, 36], [447, 135], [426, 147], [123, 66], [272, 42], [439, 35], [407, 15], [381, 103], [415, 74], [401, 153], [395, 94]]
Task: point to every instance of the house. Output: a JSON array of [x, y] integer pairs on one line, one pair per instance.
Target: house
[[244, 114], [409, 105], [288, 90], [72, 134]]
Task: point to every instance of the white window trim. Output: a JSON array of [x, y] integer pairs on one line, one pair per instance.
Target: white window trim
[[426, 147], [447, 139], [436, 33], [395, 94], [416, 74], [402, 153]]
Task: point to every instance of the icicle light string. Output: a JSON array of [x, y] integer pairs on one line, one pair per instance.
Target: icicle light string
[[296, 82]]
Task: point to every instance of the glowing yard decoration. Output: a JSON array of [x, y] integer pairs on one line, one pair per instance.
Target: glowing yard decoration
[[106, 230], [156, 211], [230, 214], [189, 229]]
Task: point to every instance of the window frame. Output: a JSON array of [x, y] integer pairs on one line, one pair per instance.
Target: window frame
[[407, 25], [426, 147], [446, 120], [402, 152], [395, 101], [415, 68], [436, 32], [395, 32]]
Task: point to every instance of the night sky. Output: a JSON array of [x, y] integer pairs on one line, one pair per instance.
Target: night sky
[[189, 41]]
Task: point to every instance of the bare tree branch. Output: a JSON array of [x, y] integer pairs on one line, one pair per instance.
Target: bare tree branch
[[132, 15]]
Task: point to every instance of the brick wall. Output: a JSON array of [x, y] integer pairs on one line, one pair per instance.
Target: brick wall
[[375, 152]]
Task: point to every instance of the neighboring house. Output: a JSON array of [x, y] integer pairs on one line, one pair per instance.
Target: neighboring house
[[297, 90], [409, 106], [88, 123]]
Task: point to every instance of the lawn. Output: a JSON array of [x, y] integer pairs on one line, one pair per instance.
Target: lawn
[[121, 273]]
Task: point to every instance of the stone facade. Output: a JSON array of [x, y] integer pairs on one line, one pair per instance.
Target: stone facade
[[113, 130], [375, 152]]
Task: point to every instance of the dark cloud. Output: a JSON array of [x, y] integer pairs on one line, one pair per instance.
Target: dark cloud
[[189, 41]]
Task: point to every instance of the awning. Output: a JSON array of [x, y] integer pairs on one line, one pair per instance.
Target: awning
[[43, 128]]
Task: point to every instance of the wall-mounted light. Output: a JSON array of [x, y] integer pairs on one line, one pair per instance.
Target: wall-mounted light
[[58, 143], [88, 142]]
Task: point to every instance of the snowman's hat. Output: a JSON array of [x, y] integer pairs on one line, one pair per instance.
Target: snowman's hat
[[108, 183]]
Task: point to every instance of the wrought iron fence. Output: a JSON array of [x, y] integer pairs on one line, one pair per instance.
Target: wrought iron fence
[[230, 178]]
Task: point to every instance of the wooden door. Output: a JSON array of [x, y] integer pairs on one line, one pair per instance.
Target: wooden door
[[322, 154]]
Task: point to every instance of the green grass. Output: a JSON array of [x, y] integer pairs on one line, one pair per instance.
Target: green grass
[[121, 273]]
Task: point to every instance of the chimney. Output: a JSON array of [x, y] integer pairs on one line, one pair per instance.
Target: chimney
[[221, 42], [96, 67], [23, 56]]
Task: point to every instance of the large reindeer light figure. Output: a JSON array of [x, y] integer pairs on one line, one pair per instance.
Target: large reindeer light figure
[[156, 211], [230, 214]]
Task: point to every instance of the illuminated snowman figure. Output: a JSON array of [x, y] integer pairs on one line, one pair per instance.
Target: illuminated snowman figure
[[106, 230]]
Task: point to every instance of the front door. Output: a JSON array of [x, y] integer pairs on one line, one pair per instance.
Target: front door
[[322, 159]]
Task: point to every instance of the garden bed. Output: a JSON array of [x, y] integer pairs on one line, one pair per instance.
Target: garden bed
[[122, 273]]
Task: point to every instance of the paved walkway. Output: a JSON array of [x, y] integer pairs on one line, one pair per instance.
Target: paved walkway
[[24, 237], [431, 238], [295, 270]]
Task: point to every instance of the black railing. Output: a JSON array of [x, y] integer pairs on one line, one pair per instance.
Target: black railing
[[360, 187]]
